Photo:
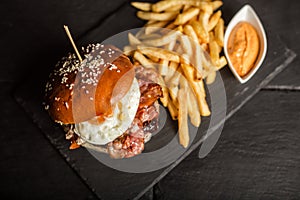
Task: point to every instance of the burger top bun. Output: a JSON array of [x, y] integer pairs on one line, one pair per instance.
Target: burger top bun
[[77, 92]]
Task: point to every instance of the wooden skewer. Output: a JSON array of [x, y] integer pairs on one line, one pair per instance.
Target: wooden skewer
[[72, 42]]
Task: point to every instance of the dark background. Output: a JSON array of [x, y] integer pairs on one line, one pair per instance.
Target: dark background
[[257, 156]]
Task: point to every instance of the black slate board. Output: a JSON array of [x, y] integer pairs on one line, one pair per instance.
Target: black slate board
[[257, 156], [108, 183]]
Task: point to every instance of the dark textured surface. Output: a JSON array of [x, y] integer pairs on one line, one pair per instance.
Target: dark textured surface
[[30, 167], [32, 34], [258, 166], [257, 156], [134, 185]]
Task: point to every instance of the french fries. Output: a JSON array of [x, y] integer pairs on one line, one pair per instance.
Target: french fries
[[219, 32], [183, 129], [200, 31], [186, 16], [151, 28], [214, 20], [160, 53], [142, 6], [193, 110], [157, 16], [182, 41]]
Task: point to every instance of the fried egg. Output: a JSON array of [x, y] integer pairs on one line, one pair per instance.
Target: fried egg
[[114, 126]]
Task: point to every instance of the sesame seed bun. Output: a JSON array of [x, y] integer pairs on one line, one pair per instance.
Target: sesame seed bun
[[77, 92]]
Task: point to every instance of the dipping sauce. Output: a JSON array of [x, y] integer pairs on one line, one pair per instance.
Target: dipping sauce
[[243, 47]]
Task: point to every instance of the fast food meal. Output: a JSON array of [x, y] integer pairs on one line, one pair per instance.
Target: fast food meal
[[104, 102], [108, 101], [183, 41], [243, 47]]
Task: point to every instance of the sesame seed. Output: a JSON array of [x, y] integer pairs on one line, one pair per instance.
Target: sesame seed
[[67, 105]]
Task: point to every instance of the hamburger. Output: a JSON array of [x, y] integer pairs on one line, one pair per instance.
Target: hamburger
[[104, 102]]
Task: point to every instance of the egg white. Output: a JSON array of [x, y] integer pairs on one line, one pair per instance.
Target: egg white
[[113, 127]]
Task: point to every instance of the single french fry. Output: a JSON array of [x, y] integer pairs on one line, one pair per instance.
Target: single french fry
[[188, 71], [163, 5], [206, 7], [183, 83], [171, 26], [214, 20], [151, 28], [200, 31], [186, 45], [151, 36], [193, 109], [156, 23], [157, 16], [153, 58], [222, 62], [212, 38], [185, 58], [171, 45], [163, 67], [129, 50], [142, 6], [204, 19], [189, 31], [178, 49], [183, 129], [140, 33], [149, 22], [143, 60], [192, 56], [219, 32], [196, 85], [174, 81], [173, 91], [174, 8], [163, 40], [203, 106], [216, 4], [210, 77], [186, 16], [213, 50], [160, 53], [207, 64], [171, 70], [198, 61], [201, 88], [133, 40]]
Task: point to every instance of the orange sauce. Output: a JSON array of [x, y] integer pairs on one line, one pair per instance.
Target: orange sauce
[[243, 47]]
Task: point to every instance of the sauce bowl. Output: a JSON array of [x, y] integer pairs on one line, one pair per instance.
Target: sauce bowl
[[247, 14]]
